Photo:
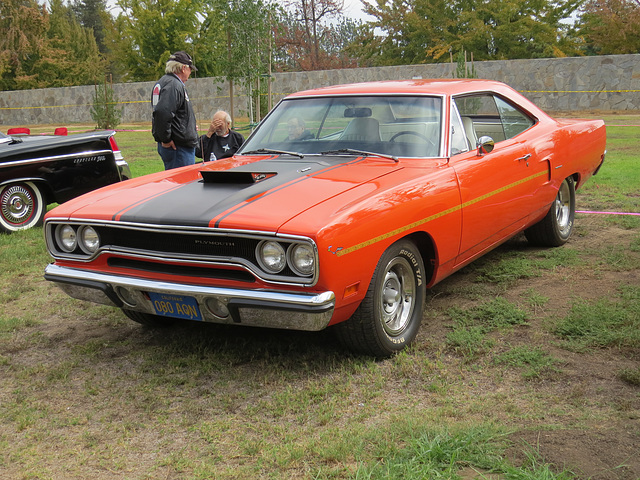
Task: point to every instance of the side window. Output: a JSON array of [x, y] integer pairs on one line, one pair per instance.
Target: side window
[[513, 120], [492, 116], [480, 116], [459, 141]]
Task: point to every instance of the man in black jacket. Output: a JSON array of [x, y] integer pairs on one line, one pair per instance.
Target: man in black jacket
[[220, 141], [173, 122]]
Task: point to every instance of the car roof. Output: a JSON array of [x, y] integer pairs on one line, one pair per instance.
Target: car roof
[[415, 86]]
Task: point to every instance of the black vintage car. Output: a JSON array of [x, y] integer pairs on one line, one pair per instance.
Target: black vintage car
[[36, 170]]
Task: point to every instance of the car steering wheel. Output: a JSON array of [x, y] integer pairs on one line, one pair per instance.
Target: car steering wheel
[[409, 132], [428, 142]]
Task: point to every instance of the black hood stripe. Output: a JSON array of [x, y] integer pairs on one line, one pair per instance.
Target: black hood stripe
[[199, 203], [117, 215]]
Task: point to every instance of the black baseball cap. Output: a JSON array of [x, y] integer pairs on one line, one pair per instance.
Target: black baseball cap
[[184, 58]]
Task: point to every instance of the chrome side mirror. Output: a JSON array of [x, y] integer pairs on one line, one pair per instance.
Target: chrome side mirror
[[485, 145]]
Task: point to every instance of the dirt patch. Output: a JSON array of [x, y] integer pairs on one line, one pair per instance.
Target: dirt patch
[[609, 452]]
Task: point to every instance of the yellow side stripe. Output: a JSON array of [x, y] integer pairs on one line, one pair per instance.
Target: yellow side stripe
[[413, 225]]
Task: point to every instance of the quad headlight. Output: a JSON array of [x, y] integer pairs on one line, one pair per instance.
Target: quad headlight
[[66, 238], [89, 240], [302, 259], [71, 238], [274, 257], [271, 256]]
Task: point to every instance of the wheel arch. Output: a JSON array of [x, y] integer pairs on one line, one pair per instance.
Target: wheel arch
[[577, 178], [41, 183], [427, 248]]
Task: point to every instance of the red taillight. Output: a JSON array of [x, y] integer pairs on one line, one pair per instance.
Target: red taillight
[[114, 145]]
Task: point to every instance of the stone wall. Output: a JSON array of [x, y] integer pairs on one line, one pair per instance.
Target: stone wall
[[607, 83]]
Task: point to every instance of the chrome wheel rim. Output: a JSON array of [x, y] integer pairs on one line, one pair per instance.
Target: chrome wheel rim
[[397, 296], [563, 208], [17, 204]]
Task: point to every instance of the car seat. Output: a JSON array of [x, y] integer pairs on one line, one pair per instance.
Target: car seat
[[362, 129], [470, 132]]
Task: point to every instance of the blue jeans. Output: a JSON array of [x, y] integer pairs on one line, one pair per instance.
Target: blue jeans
[[179, 157]]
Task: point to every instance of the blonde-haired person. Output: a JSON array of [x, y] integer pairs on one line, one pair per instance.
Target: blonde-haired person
[[173, 123], [219, 141]]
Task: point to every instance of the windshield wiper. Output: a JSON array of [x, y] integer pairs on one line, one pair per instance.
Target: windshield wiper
[[269, 150], [353, 151]]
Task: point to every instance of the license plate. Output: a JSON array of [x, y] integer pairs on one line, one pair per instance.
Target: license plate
[[176, 306]]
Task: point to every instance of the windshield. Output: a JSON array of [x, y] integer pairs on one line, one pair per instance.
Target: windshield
[[4, 138], [400, 126]]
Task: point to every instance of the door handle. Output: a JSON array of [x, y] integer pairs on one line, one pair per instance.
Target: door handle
[[524, 157]]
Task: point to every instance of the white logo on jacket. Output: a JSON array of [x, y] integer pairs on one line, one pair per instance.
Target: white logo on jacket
[[155, 97]]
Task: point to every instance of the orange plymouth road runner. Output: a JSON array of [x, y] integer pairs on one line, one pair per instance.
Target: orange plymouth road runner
[[341, 209]]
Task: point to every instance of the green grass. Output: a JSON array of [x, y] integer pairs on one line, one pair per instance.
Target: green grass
[[444, 454], [496, 313], [630, 375], [604, 322], [534, 362], [615, 187], [139, 150], [521, 264], [469, 336]]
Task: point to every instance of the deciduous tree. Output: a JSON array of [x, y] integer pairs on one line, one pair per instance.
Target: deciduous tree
[[23, 24], [426, 31], [611, 26], [41, 48], [306, 35], [146, 32]]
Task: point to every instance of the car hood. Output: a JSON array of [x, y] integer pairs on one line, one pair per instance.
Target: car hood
[[249, 193]]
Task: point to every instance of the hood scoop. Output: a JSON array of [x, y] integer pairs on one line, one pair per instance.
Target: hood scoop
[[234, 177]]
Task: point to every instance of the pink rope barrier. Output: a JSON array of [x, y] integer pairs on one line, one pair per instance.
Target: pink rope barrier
[[608, 213]]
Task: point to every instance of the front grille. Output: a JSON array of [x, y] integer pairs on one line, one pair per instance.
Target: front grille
[[182, 270], [200, 244]]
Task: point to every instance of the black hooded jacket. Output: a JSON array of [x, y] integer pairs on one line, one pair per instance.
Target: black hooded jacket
[[173, 117]]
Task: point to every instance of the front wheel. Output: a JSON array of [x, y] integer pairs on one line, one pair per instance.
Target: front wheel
[[388, 319], [556, 227], [22, 206]]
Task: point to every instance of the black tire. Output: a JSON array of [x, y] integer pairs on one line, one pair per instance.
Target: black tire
[[388, 319], [556, 227], [149, 320], [22, 206]]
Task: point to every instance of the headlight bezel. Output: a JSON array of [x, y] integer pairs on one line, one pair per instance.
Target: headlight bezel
[[293, 249], [277, 248], [84, 244], [61, 232]]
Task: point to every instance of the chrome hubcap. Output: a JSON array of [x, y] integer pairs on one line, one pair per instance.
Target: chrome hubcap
[[17, 204], [563, 207], [397, 296]]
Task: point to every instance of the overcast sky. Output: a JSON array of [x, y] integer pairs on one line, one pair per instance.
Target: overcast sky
[[352, 9]]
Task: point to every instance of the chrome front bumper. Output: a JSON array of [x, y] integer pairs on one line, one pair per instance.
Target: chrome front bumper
[[259, 308]]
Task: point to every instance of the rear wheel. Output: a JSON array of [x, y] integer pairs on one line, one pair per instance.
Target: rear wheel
[[388, 319], [22, 206], [556, 227], [148, 319]]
